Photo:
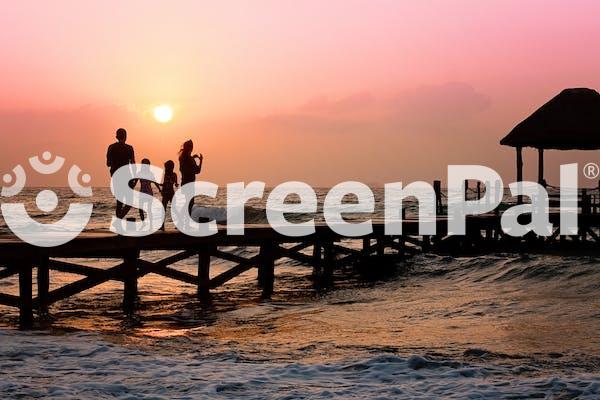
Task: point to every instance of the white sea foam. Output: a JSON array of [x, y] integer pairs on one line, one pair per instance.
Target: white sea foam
[[84, 366]]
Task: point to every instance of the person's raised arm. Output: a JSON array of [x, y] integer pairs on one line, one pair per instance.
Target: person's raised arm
[[199, 164]]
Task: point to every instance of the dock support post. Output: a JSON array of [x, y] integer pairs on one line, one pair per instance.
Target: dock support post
[[402, 245], [426, 243], [25, 296], [130, 288], [365, 251], [597, 202], [585, 202], [43, 283], [486, 187], [437, 188], [366, 247], [500, 194], [380, 247], [204, 273], [266, 269], [328, 263], [316, 258], [585, 209]]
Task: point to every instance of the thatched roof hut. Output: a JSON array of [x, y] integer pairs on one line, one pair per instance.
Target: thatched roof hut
[[569, 121]]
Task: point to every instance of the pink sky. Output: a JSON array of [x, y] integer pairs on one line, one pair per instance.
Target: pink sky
[[377, 91]]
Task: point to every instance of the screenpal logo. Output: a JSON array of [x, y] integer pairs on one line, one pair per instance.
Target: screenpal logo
[[28, 229], [334, 207], [459, 207]]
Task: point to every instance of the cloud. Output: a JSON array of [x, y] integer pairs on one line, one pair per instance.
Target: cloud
[[428, 108], [352, 103], [452, 100]]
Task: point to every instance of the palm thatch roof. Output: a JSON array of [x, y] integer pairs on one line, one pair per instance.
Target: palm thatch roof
[[570, 121]]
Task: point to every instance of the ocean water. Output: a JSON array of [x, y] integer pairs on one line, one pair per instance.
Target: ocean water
[[494, 326]]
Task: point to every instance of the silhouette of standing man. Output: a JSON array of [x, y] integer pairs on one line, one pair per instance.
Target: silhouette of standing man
[[118, 155]]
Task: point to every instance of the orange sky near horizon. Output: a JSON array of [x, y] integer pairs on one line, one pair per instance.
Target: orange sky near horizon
[[376, 91]]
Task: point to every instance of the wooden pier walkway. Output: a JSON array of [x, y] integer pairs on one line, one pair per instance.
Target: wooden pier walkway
[[325, 251]]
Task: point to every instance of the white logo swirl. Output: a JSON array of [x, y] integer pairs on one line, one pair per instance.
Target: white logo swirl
[[46, 234]]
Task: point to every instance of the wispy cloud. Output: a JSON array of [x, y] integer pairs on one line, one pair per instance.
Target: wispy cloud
[[422, 108]]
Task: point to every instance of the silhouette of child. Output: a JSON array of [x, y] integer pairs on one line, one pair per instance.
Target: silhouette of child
[[146, 185], [168, 186]]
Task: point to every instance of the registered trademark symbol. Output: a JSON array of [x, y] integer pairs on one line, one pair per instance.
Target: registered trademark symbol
[[591, 170]]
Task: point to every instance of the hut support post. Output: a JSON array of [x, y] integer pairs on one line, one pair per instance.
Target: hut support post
[[541, 166], [499, 193], [519, 172]]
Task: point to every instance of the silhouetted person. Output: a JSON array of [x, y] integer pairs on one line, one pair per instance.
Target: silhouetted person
[[118, 155], [146, 186], [188, 166], [168, 186]]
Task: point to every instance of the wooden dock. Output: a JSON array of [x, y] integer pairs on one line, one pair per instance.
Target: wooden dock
[[325, 251]]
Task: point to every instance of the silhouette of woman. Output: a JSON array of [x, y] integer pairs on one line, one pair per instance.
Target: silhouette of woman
[[188, 166]]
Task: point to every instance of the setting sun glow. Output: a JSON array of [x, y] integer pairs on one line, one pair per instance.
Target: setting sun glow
[[163, 113]]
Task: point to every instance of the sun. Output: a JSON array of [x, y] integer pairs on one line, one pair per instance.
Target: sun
[[163, 113]]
